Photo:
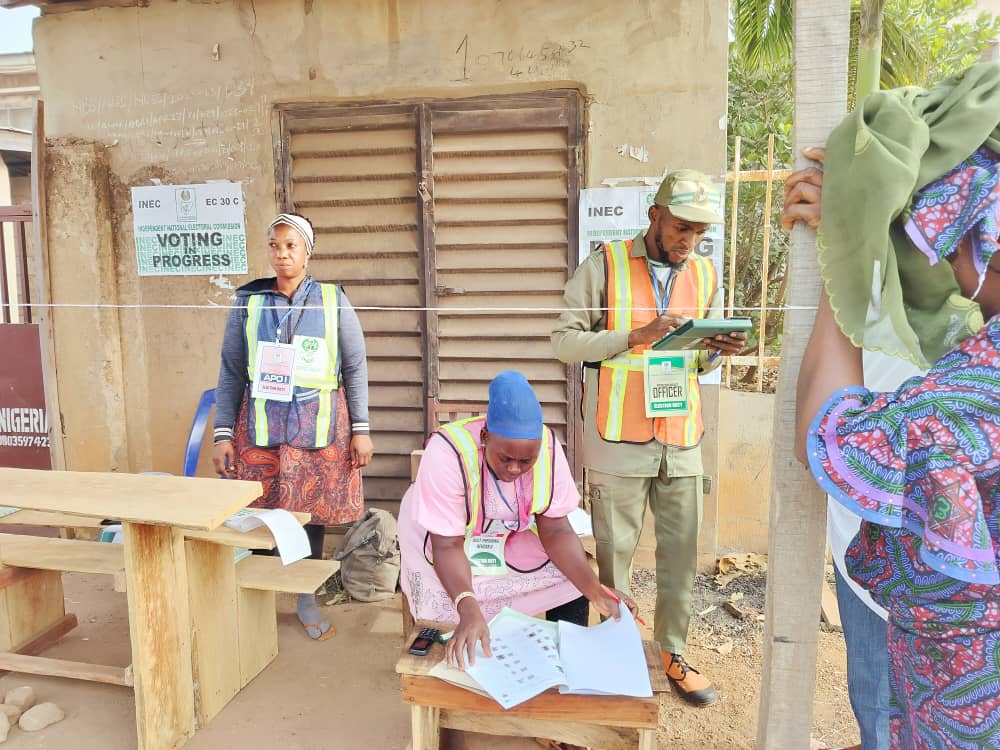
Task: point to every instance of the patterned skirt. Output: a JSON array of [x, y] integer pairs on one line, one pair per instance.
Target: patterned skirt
[[318, 481], [944, 645]]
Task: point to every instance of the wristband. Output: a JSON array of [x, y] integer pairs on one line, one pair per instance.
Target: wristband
[[464, 595]]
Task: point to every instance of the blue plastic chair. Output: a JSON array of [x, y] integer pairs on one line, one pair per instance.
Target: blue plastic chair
[[205, 405]]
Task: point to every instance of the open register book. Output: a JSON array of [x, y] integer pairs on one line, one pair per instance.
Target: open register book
[[531, 656]]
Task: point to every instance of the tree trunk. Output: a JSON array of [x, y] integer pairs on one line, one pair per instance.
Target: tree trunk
[[798, 507], [869, 64]]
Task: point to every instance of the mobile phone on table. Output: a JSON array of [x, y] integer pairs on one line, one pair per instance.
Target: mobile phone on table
[[423, 642]]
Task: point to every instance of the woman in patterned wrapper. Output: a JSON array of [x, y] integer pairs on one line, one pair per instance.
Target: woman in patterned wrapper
[[307, 452], [910, 197], [503, 474]]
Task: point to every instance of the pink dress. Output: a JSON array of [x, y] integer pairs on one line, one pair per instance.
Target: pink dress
[[435, 502]]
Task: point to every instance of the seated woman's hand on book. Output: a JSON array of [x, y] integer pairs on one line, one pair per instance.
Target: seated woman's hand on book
[[472, 629]]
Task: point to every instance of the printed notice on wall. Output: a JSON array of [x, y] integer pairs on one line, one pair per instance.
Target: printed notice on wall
[[182, 230], [621, 213]]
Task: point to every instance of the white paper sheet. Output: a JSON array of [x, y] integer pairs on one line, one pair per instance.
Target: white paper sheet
[[525, 660], [290, 537], [604, 660], [579, 519]]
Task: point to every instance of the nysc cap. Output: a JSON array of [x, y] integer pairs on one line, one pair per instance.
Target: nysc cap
[[691, 196]]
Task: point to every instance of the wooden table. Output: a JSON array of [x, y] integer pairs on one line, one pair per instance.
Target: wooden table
[[608, 722], [155, 511]]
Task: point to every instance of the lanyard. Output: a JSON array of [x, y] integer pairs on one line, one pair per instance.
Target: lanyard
[[515, 509], [662, 296], [279, 323]]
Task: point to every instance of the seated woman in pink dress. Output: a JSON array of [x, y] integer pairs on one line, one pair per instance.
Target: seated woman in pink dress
[[489, 508]]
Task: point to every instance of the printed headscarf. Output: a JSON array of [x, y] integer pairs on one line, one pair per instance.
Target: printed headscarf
[[964, 201], [300, 225]]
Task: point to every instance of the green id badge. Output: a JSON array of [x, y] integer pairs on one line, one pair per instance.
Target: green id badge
[[486, 554], [665, 377]]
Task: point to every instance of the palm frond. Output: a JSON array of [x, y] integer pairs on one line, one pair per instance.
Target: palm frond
[[763, 31]]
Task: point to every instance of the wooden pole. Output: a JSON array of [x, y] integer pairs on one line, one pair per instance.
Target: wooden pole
[[798, 508], [765, 270], [44, 315], [733, 224]]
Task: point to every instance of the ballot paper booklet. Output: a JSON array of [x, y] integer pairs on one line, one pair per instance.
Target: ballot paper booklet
[[531, 656]]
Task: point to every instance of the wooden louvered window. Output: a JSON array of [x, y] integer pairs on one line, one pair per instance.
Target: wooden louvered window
[[452, 225]]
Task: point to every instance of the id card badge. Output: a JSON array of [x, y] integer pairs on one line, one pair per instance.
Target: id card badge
[[665, 378], [486, 554], [274, 371], [311, 356]]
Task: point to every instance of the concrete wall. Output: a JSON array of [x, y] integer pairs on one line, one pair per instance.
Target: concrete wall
[[745, 440], [183, 92]]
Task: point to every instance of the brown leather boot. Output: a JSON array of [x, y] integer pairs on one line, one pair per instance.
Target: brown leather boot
[[690, 684]]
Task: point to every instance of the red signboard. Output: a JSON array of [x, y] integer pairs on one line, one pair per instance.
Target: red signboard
[[24, 419]]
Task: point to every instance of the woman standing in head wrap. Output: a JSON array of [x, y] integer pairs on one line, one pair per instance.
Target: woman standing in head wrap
[[910, 199], [308, 444]]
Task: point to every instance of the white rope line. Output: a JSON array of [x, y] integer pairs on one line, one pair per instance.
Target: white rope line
[[375, 308]]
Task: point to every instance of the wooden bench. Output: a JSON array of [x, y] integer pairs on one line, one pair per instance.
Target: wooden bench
[[224, 665], [608, 722], [225, 599], [33, 605], [64, 555]]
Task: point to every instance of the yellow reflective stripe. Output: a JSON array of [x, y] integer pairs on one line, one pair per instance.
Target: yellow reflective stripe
[[254, 305], [331, 311], [694, 403], [469, 452], [329, 380], [323, 417], [541, 477], [623, 285], [630, 362], [253, 321], [616, 404]]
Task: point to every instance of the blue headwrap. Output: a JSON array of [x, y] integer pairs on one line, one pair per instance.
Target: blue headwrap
[[513, 411]]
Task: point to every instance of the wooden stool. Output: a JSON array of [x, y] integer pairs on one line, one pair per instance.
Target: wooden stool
[[607, 722]]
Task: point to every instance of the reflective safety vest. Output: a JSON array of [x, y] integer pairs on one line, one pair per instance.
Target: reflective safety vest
[[461, 436], [631, 302], [313, 395]]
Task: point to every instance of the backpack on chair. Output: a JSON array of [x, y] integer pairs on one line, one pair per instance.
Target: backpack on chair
[[369, 557]]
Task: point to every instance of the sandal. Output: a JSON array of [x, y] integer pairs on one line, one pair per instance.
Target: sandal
[[323, 634]]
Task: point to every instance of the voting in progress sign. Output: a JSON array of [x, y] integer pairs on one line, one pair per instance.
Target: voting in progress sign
[[184, 230]]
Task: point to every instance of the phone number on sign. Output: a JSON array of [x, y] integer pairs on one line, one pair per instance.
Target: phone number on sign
[[24, 441]]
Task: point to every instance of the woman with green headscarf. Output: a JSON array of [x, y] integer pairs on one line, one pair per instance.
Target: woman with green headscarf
[[910, 195]]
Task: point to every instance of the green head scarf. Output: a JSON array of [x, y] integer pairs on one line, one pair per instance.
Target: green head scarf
[[893, 145]]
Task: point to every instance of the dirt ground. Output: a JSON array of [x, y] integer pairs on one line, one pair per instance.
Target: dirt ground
[[343, 694]]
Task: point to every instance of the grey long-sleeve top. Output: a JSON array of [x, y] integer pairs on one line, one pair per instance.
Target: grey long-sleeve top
[[233, 372]]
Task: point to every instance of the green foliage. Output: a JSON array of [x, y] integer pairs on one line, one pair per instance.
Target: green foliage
[[923, 42], [760, 103], [950, 34]]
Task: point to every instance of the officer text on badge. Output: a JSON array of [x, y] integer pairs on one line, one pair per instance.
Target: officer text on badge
[[665, 378]]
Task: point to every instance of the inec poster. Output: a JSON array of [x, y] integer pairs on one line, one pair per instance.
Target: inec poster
[[183, 230], [620, 213]]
